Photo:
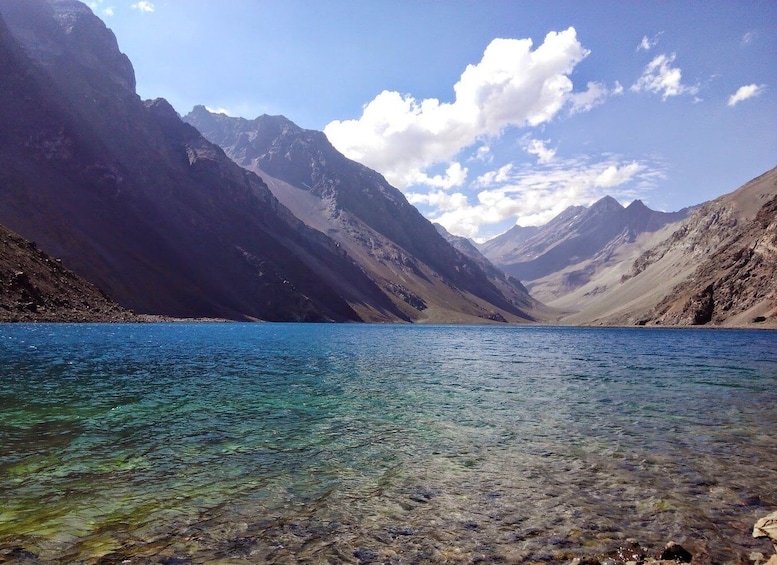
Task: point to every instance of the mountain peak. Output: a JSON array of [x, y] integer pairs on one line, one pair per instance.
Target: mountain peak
[[45, 28], [637, 205], [606, 203], [94, 41]]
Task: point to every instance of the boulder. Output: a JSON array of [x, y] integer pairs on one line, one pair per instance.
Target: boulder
[[767, 528]]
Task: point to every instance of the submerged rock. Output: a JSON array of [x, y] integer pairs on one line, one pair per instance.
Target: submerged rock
[[675, 551]]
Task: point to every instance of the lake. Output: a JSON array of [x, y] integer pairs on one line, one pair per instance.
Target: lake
[[286, 443]]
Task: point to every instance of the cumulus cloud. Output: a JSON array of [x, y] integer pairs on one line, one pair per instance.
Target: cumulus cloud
[[512, 85], [455, 175], [143, 6], [537, 147], [484, 154], [219, 110], [534, 195], [501, 175], [660, 77], [745, 92]]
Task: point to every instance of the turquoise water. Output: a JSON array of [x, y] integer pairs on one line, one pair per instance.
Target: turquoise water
[[255, 443]]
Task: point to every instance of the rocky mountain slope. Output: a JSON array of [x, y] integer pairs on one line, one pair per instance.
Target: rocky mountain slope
[[401, 251], [576, 246], [138, 202], [37, 288], [718, 268], [608, 265]]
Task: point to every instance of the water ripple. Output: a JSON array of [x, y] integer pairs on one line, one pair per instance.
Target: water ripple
[[281, 443]]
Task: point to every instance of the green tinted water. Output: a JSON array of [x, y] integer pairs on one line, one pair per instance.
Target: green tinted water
[[281, 443]]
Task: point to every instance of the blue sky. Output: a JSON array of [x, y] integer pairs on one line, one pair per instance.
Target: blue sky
[[488, 113]]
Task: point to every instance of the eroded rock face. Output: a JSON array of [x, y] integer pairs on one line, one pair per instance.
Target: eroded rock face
[[739, 274]]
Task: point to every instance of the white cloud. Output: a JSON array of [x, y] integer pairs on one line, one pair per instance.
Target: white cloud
[[443, 201], [143, 6], [484, 154], [537, 147], [748, 38], [596, 94], [614, 176], [455, 175], [512, 85], [660, 77], [95, 6], [745, 92], [648, 43], [501, 175], [534, 195]]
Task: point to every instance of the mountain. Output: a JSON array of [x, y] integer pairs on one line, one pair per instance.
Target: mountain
[[577, 246], [37, 288], [463, 245], [400, 250], [137, 201], [718, 268], [715, 264]]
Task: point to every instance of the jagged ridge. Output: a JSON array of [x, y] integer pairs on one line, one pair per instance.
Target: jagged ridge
[[372, 220]]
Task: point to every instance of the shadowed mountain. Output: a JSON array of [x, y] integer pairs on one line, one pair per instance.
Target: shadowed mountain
[[372, 221], [37, 288], [502, 280], [137, 201]]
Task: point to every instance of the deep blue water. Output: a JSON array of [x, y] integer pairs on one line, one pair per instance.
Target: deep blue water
[[355, 443]]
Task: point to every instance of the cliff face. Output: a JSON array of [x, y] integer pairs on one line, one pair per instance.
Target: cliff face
[[735, 278], [718, 267], [424, 276], [135, 200]]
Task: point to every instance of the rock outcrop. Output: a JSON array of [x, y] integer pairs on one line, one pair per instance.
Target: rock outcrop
[[37, 288], [766, 527], [729, 250]]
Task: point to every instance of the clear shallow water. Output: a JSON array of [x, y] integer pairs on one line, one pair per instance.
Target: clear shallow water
[[294, 443]]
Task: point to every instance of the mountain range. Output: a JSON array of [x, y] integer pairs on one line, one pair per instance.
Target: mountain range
[[212, 216], [610, 265], [139, 203], [566, 253]]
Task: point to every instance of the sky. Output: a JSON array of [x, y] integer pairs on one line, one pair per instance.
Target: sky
[[487, 113]]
